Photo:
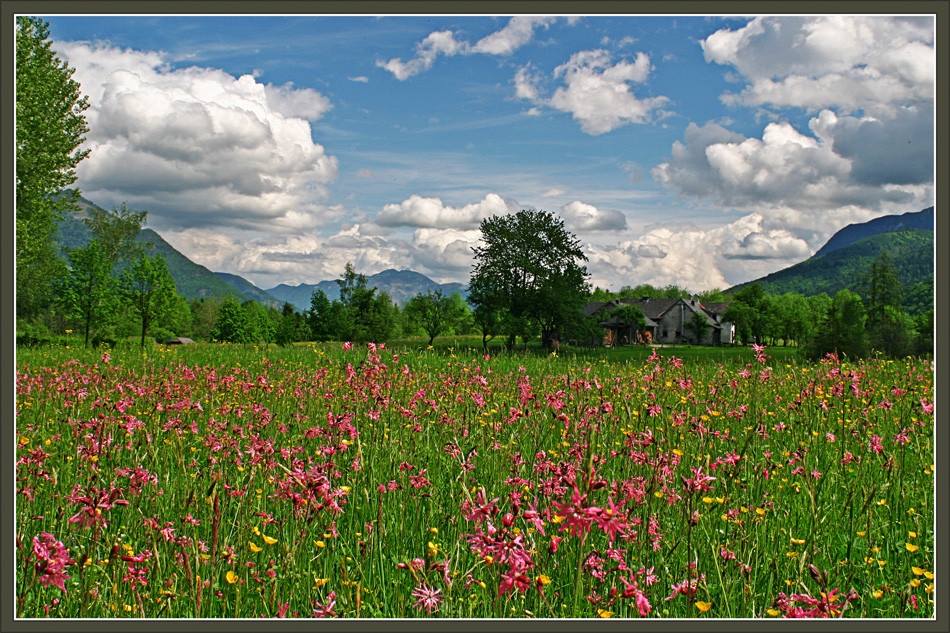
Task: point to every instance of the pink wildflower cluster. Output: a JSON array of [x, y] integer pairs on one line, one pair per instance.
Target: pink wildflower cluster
[[52, 558]]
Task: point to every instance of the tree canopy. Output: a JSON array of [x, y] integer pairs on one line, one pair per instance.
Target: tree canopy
[[50, 127], [529, 274]]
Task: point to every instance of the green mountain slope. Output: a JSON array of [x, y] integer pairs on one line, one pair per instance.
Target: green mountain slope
[[192, 280], [909, 250], [249, 290]]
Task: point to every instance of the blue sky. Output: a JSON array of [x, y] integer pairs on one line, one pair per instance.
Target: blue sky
[[694, 150]]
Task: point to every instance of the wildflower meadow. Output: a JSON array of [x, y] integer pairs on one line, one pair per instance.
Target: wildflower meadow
[[346, 481]]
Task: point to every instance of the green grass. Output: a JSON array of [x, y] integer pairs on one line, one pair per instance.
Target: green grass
[[293, 477]]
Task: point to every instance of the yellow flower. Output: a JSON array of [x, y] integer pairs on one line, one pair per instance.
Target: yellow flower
[[319, 582], [254, 547], [544, 580], [878, 593], [798, 541], [915, 582], [773, 612], [911, 547], [268, 540], [231, 577], [862, 533], [708, 499], [319, 543], [917, 571], [678, 452], [703, 606], [604, 613], [912, 534], [760, 511]]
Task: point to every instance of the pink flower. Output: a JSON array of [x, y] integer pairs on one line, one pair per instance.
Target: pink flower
[[347, 346], [52, 557], [322, 610], [427, 598]]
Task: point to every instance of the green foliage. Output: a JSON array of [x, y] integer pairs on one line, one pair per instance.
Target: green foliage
[[842, 329], [204, 313], [116, 232], [292, 326], [698, 325], [749, 310], [87, 292], [528, 272], [232, 324], [49, 130], [433, 313], [149, 291], [326, 319], [910, 251], [629, 314]]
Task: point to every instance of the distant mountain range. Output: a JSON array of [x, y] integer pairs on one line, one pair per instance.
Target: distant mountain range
[[400, 285], [195, 281], [847, 256], [839, 264]]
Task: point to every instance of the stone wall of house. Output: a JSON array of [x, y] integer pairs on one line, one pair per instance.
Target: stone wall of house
[[673, 328]]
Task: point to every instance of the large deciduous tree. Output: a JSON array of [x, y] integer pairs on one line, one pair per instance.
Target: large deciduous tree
[[49, 130], [529, 272]]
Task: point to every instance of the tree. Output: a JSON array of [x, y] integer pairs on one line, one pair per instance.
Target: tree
[[116, 232], [292, 327], [49, 130], [204, 313], [232, 323], [698, 325], [433, 312], [890, 329], [88, 291], [326, 319], [368, 316], [627, 315], [842, 329], [529, 270], [791, 316], [882, 288], [149, 289], [749, 311]]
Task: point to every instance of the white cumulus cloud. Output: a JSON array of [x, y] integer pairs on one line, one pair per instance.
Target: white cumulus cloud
[[418, 211], [595, 91], [852, 63], [580, 216], [197, 146]]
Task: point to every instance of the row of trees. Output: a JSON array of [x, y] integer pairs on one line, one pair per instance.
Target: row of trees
[[869, 317]]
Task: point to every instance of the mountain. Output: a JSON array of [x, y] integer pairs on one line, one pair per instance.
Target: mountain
[[910, 250], [192, 280], [249, 290], [400, 285], [854, 232]]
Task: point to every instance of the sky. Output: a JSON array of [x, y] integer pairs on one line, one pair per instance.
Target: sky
[[700, 151]]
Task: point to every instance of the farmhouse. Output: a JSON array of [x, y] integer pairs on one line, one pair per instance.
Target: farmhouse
[[670, 321]]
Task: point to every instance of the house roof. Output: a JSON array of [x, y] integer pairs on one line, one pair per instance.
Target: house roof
[[654, 309], [716, 307]]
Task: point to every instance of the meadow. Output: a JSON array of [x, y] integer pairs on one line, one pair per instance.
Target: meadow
[[335, 480]]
